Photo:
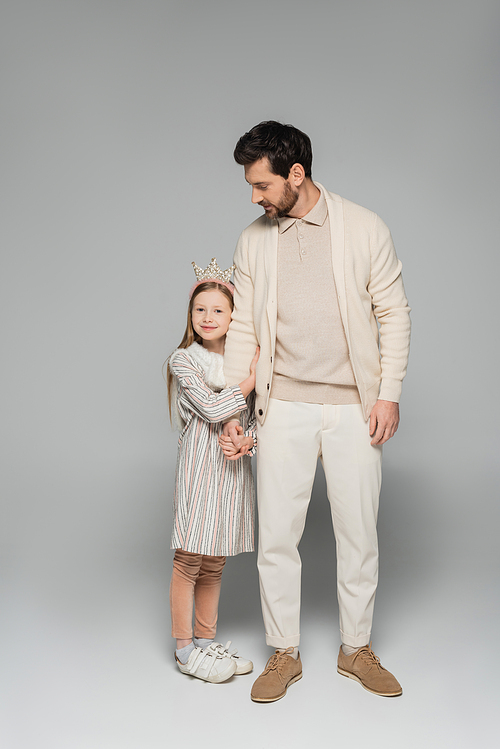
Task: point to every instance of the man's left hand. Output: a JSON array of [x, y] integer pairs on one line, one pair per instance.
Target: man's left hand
[[384, 421], [232, 442], [232, 451]]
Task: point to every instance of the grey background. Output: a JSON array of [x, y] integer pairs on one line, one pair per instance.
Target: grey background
[[119, 120]]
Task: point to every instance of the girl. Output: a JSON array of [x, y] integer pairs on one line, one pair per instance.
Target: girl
[[214, 495]]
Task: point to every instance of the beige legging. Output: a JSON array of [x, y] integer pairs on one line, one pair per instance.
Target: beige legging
[[195, 577]]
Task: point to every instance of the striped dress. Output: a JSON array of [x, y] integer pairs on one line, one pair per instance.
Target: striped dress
[[214, 497]]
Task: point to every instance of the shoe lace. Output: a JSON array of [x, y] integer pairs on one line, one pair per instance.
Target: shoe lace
[[368, 656], [277, 661]]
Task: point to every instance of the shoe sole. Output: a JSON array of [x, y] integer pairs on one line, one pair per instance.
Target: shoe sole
[[275, 699], [218, 679], [355, 678], [248, 670]]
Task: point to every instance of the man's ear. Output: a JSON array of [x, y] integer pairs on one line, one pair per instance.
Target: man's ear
[[297, 174]]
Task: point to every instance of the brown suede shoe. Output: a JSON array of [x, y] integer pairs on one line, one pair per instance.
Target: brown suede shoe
[[364, 666], [281, 670]]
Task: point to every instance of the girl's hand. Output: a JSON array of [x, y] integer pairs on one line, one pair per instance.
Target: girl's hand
[[231, 439], [253, 363], [234, 453], [248, 384], [253, 366], [227, 446]]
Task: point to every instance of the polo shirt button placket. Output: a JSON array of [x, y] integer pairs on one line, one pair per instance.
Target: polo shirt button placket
[[301, 236]]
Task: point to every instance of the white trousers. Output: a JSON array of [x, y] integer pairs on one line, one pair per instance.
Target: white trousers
[[292, 438]]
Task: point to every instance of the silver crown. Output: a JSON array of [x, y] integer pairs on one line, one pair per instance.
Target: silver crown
[[212, 272]]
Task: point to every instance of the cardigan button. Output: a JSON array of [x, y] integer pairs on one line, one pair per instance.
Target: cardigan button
[[260, 411], [267, 386]]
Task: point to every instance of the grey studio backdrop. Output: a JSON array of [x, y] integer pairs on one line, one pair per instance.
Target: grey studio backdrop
[[119, 120]]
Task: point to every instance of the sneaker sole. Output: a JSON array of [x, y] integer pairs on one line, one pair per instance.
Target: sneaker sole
[[240, 672], [216, 679], [275, 699], [355, 678]]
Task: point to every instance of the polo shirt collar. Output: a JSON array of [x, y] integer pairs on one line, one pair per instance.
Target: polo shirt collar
[[317, 215]]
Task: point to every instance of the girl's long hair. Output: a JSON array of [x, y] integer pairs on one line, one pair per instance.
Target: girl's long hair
[[190, 336]]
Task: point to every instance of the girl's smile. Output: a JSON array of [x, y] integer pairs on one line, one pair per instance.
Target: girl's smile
[[210, 318]]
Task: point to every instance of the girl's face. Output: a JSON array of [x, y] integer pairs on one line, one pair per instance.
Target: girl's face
[[211, 316]]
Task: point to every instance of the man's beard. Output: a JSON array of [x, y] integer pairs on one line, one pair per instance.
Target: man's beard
[[287, 201]]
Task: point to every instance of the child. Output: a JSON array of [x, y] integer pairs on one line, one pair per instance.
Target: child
[[214, 495]]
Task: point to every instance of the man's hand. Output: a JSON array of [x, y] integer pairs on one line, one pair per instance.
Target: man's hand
[[233, 430], [232, 442], [227, 447], [384, 421], [230, 451]]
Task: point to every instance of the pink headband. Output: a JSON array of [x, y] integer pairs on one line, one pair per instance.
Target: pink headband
[[215, 280]]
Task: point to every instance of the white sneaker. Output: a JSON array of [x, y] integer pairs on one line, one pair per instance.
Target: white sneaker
[[208, 664], [243, 666]]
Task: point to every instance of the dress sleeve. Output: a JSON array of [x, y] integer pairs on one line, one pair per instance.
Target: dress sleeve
[[198, 397], [250, 426]]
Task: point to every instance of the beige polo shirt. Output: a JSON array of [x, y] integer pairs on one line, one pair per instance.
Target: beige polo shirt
[[312, 359]]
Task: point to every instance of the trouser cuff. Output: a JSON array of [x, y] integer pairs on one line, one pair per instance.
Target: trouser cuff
[[355, 641], [292, 641]]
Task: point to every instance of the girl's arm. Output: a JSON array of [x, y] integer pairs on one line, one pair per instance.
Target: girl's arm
[[248, 435], [199, 398], [250, 428], [248, 383]]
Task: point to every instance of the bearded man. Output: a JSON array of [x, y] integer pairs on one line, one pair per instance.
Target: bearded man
[[319, 289]]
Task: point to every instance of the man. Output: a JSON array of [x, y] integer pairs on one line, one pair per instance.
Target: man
[[319, 289]]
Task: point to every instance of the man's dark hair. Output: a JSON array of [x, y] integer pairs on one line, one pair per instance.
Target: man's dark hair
[[283, 145]]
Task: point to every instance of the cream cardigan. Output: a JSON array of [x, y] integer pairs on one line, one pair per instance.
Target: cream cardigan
[[369, 288]]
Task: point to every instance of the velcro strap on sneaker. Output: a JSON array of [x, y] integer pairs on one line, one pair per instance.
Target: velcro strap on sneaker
[[205, 660], [202, 662]]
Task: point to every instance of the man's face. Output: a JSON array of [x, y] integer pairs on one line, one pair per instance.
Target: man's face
[[276, 195]]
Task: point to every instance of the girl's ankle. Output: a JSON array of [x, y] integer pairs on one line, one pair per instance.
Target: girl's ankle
[[183, 643]]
